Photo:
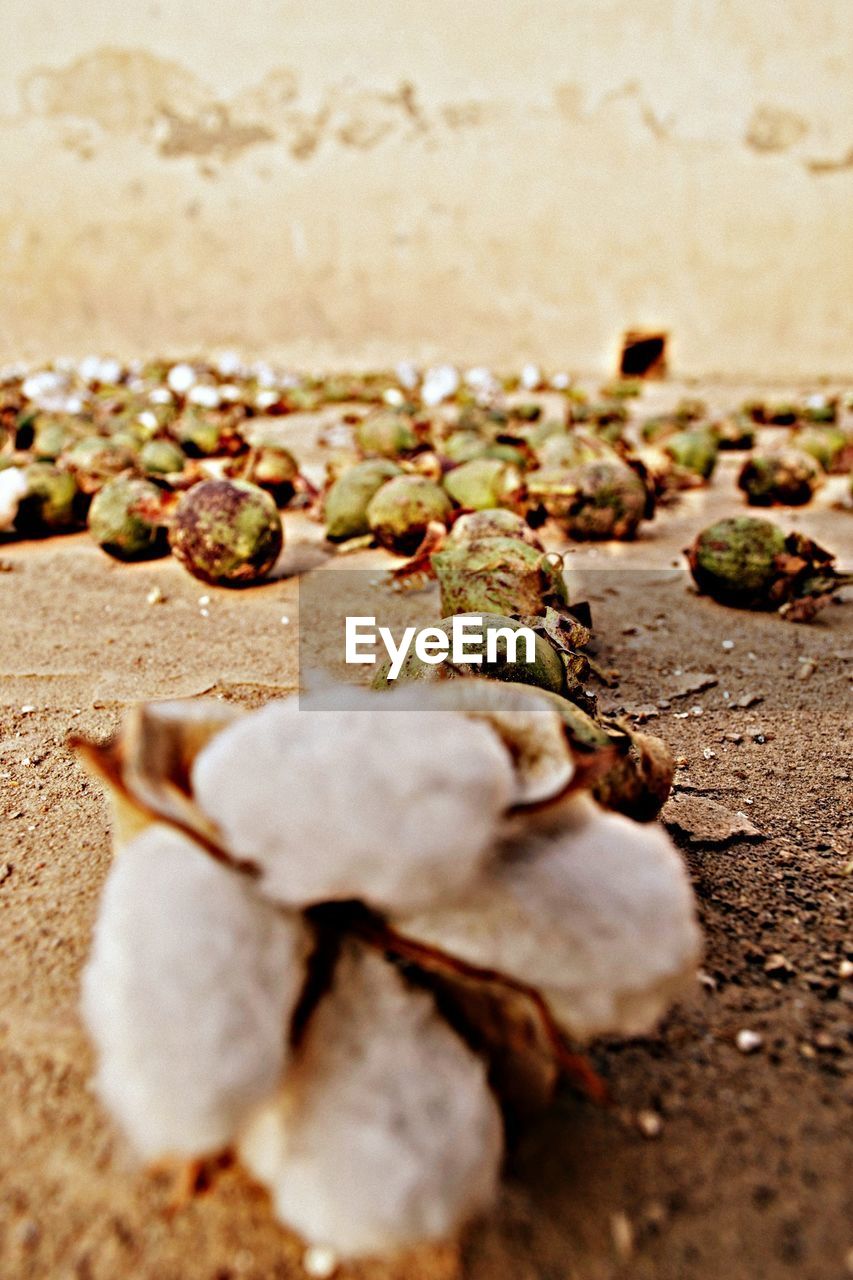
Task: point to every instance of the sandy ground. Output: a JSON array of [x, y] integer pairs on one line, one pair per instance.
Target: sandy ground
[[710, 1163]]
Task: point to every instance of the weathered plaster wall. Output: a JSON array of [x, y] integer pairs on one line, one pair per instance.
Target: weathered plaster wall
[[486, 179]]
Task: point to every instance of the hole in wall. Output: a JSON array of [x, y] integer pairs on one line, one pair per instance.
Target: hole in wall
[[643, 354]]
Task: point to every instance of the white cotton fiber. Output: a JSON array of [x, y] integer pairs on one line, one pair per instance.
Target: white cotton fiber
[[395, 808], [13, 486], [385, 1133], [188, 995], [598, 916]]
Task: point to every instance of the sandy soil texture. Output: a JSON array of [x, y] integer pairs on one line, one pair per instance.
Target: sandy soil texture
[[712, 1162]]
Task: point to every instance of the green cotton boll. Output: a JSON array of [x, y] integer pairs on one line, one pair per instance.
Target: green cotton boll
[[597, 500], [733, 560], [639, 780], [573, 449], [482, 483], [274, 468], [386, 434], [827, 445], [502, 575], [126, 519], [226, 532], [695, 450], [496, 523], [96, 459], [346, 503], [52, 435], [51, 503], [788, 478], [200, 433], [400, 512], [736, 432], [545, 672], [161, 458], [463, 446]]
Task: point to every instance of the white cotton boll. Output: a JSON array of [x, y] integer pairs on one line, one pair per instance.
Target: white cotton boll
[[188, 995], [440, 382], [204, 394], [385, 1133], [407, 374], [181, 377], [43, 384], [395, 808], [13, 486], [598, 916]]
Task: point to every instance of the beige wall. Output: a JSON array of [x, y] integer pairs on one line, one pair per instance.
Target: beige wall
[[359, 180]]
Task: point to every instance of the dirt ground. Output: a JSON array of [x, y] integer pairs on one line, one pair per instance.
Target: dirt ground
[[711, 1163]]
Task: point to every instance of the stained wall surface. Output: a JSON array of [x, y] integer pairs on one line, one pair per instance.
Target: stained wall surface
[[491, 180]]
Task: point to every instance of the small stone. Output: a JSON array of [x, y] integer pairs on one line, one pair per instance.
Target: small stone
[[706, 822], [748, 700], [697, 711], [6, 870], [733, 737], [807, 669], [728, 644], [692, 682], [748, 1041], [622, 1234], [155, 596], [27, 709], [649, 1123], [778, 966], [845, 969], [708, 753]]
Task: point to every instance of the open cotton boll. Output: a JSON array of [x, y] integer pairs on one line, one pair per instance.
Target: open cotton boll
[[598, 916], [188, 995], [385, 1133], [395, 808], [13, 487]]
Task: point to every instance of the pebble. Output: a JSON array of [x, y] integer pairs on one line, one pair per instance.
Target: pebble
[[748, 700], [778, 966], [155, 596], [748, 1041], [649, 1123], [622, 1234], [728, 644]]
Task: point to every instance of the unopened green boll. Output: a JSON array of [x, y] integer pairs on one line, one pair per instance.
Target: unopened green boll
[[126, 519], [597, 500], [695, 450], [787, 478], [346, 503], [386, 434], [226, 532], [161, 458], [51, 503], [482, 483], [401, 511], [502, 575]]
